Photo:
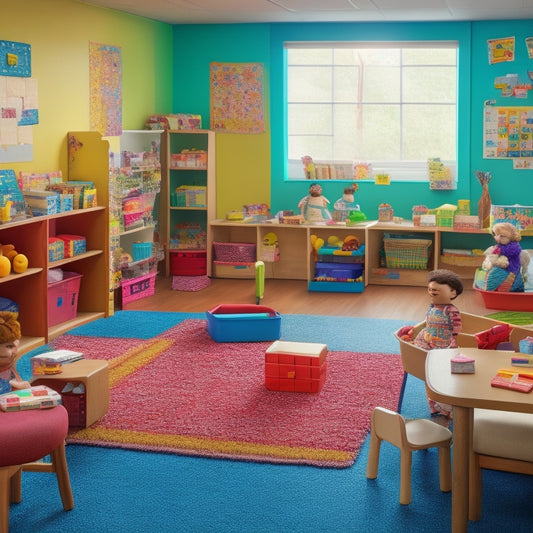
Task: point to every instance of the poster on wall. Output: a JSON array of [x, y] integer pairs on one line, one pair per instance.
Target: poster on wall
[[105, 78], [19, 105], [508, 134], [501, 50], [237, 98]]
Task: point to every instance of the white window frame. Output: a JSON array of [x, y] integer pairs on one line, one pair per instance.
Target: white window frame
[[410, 171]]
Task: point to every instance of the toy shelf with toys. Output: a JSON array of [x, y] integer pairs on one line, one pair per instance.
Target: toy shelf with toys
[[30, 289], [126, 170], [446, 247], [296, 252]]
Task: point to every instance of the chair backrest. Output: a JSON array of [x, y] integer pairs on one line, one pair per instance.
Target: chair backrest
[[389, 426]]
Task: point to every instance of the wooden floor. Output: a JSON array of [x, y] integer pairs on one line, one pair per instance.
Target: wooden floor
[[292, 297]]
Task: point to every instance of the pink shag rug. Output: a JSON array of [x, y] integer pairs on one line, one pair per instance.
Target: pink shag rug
[[183, 393]]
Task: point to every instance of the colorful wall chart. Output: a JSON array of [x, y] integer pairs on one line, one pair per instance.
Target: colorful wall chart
[[237, 98], [105, 77], [18, 102], [507, 132]]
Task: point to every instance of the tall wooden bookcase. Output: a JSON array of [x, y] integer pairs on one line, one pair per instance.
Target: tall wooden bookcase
[[180, 210]]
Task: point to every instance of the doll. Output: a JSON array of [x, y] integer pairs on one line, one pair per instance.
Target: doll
[[9, 341], [443, 324], [504, 260], [313, 206], [345, 205]]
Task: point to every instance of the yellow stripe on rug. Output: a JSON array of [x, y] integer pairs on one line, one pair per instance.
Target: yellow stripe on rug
[[197, 444], [121, 367]]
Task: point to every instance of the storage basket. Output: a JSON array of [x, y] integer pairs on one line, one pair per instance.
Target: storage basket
[[407, 253], [234, 252], [137, 288], [190, 283]]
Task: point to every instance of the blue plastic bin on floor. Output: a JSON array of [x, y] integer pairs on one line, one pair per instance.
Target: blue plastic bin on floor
[[243, 323]]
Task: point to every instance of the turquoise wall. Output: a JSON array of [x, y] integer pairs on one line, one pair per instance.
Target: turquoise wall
[[196, 46], [508, 186]]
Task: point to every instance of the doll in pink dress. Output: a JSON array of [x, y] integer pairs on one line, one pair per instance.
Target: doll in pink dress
[[443, 323]]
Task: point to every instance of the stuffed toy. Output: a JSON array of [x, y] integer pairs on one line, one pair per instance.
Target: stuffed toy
[[504, 260], [313, 206], [9, 341]]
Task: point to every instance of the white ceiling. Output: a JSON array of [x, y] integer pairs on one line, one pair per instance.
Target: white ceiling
[[239, 11]]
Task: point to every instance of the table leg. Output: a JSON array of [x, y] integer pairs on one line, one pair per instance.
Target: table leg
[[462, 441]]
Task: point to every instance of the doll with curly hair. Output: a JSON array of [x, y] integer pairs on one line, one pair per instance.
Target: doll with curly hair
[[9, 341], [505, 261]]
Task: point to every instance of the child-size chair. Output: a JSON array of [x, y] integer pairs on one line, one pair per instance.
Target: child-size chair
[[408, 436], [25, 437]]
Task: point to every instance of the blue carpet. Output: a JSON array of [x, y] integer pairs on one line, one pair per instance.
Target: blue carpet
[[127, 491]]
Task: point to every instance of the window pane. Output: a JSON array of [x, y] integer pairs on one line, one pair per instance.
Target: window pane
[[309, 84], [309, 119], [433, 56], [429, 131], [381, 84], [317, 145], [309, 56], [346, 84], [380, 139], [429, 84]]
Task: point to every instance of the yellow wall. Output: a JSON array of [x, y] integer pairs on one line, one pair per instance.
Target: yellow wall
[[59, 32]]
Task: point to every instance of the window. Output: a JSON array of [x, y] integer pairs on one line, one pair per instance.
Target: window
[[393, 105]]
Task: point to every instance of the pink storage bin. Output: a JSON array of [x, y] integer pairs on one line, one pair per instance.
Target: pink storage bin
[[137, 288], [234, 252], [63, 298]]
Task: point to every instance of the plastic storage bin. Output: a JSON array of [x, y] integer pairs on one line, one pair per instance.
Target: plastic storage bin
[[137, 288], [188, 262], [243, 323], [63, 298], [141, 250]]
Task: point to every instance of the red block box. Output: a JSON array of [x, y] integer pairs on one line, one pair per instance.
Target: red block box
[[295, 366]]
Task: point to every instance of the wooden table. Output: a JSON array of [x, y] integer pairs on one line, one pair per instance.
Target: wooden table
[[465, 392]]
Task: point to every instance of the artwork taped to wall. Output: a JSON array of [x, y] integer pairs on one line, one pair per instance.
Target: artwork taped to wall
[[19, 105], [507, 132], [105, 77], [237, 98], [15, 59], [501, 50]]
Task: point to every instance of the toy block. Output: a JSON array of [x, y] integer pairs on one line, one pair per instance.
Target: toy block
[[295, 366]]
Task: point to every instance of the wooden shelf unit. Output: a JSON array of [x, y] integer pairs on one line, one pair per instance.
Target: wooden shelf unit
[[296, 258], [98, 159], [173, 142], [296, 254], [30, 289]]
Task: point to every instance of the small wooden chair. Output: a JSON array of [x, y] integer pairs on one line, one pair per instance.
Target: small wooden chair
[[408, 436], [26, 437]]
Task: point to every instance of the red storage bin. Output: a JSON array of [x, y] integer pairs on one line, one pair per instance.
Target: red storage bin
[[188, 262]]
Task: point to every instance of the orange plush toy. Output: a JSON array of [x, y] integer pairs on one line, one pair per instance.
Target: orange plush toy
[[9, 341]]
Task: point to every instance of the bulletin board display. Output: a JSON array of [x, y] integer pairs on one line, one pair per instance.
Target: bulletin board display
[[507, 132]]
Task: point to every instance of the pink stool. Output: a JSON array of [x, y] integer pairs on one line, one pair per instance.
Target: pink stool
[[25, 437]]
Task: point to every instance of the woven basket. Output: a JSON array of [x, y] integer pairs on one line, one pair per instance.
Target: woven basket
[[407, 253]]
